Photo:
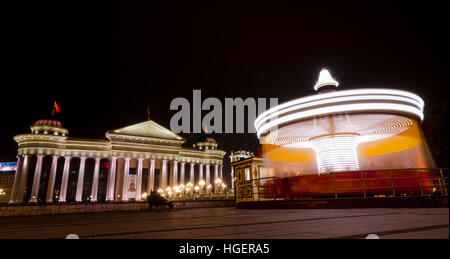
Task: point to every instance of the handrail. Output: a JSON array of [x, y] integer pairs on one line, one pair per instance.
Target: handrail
[[258, 187], [393, 169], [441, 180], [436, 178]]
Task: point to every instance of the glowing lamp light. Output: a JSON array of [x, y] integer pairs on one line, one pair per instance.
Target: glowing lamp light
[[144, 195], [196, 188]]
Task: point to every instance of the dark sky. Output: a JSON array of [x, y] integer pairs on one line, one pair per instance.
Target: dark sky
[[105, 62]]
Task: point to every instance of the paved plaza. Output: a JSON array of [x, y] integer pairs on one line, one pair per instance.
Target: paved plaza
[[206, 223]]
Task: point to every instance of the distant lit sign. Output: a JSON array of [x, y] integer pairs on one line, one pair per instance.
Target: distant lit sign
[[9, 166]]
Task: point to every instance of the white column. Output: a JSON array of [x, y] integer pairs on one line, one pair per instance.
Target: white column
[[79, 193], [126, 174], [51, 180], [36, 179], [95, 179], [23, 179], [111, 179], [139, 180], [200, 172], [65, 179], [221, 172], [208, 180], [192, 175], [216, 176], [232, 179], [182, 172], [174, 174], [163, 180], [216, 172], [151, 177], [16, 180]]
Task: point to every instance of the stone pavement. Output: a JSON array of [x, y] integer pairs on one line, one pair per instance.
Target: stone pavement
[[234, 223]]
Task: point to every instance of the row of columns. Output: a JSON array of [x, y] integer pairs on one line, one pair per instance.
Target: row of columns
[[20, 178], [163, 181]]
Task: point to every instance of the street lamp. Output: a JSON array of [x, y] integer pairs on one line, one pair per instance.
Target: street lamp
[[181, 187], [217, 182], [176, 189], [189, 186], [224, 186], [168, 189], [209, 190], [196, 189], [202, 184]]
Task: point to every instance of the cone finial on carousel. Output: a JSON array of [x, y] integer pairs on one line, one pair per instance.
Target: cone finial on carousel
[[325, 79]]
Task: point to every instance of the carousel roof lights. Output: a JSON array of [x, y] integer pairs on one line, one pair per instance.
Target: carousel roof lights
[[390, 94], [357, 107]]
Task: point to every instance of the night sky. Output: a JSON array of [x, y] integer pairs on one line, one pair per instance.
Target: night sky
[[104, 63]]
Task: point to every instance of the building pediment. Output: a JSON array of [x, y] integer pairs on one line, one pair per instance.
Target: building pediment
[[147, 129]]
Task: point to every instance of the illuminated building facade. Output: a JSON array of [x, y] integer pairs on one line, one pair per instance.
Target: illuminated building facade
[[131, 162], [237, 156], [246, 173], [7, 172]]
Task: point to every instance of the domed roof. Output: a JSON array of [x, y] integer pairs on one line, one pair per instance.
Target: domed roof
[[52, 123], [205, 141]]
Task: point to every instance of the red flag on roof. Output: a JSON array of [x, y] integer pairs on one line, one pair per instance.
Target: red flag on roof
[[56, 106], [55, 109]]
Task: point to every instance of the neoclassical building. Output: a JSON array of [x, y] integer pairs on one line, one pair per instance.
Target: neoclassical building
[[131, 161]]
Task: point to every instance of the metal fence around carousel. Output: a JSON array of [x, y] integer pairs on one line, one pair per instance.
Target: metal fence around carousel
[[363, 183]]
